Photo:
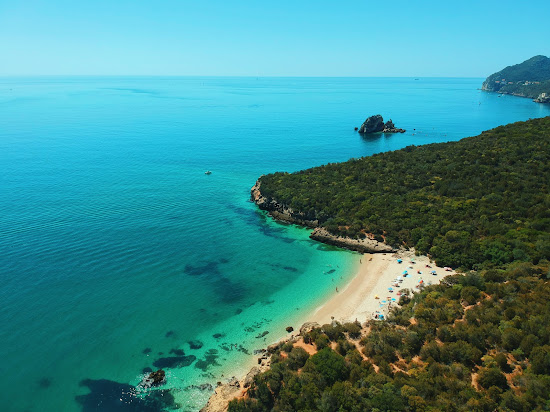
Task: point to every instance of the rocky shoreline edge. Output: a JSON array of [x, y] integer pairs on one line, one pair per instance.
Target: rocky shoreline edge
[[236, 388], [286, 214]]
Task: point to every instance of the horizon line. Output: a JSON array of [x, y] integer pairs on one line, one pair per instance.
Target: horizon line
[[237, 76]]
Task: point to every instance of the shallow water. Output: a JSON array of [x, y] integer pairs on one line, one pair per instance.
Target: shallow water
[[116, 250]]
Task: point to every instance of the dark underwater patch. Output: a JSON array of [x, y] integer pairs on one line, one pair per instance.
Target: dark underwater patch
[[275, 232], [290, 268], [177, 352], [218, 335], [174, 361], [147, 369], [243, 350], [229, 291], [195, 344], [331, 271], [170, 334], [238, 311], [325, 248], [261, 335], [202, 387], [210, 358], [210, 269], [107, 396], [45, 382], [146, 351]]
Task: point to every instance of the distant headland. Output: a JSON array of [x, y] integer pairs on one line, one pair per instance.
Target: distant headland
[[528, 79]]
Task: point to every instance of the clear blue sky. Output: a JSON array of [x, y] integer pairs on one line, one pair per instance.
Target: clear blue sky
[[270, 38]]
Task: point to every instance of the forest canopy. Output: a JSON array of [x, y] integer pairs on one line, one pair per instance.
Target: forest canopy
[[480, 202], [479, 341]]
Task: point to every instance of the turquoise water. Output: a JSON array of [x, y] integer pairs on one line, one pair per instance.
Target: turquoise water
[[116, 250]]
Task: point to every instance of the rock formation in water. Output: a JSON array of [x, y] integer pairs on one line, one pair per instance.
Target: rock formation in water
[[375, 124]]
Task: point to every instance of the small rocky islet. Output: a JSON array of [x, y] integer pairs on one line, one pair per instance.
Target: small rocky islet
[[375, 124]]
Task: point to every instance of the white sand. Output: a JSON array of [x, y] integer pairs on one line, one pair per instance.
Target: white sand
[[376, 273]]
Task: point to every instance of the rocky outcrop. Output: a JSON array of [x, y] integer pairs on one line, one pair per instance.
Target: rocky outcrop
[[249, 378], [365, 245], [280, 211], [375, 124], [307, 327], [223, 394], [543, 98], [154, 379], [389, 127]]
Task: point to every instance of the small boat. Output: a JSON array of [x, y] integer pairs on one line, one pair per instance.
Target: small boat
[[208, 172]]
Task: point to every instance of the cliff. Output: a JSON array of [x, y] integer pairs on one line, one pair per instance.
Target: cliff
[[284, 213], [527, 79], [280, 211]]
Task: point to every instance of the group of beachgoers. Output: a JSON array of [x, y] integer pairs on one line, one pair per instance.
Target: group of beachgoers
[[385, 305]]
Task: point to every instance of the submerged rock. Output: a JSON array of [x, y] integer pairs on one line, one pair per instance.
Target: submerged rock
[[154, 379], [289, 329]]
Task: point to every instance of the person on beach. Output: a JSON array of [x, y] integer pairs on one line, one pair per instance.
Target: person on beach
[[336, 289]]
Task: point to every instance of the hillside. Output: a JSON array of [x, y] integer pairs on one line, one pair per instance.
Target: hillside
[[475, 342], [478, 202], [528, 79]]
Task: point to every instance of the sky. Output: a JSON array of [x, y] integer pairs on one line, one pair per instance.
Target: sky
[[270, 38]]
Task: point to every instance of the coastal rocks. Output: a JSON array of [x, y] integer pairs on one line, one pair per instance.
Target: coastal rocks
[[224, 393], [389, 127], [289, 329], [154, 379], [261, 335], [307, 327], [375, 124], [365, 245], [280, 211], [195, 344], [249, 378], [543, 98]]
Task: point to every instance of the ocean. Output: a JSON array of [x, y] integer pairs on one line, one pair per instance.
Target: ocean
[[119, 255]]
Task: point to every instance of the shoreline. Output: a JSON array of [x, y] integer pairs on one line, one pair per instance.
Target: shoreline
[[375, 273]]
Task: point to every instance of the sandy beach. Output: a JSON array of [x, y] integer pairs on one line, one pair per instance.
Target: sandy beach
[[375, 275], [364, 297]]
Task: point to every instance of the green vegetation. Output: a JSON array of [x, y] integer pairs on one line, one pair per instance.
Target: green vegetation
[[512, 79], [475, 342], [488, 353], [478, 203]]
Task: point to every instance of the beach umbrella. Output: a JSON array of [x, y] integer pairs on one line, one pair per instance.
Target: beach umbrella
[[405, 272], [376, 297], [399, 261], [393, 299], [384, 302], [390, 288], [433, 272]]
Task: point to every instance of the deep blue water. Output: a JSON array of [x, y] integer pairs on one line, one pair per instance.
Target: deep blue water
[[116, 250]]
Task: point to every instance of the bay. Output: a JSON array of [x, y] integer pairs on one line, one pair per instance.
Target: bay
[[117, 250]]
